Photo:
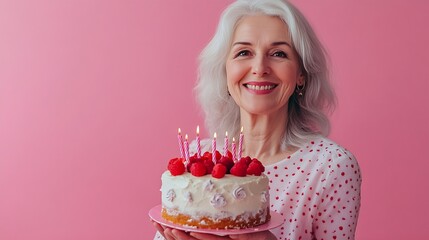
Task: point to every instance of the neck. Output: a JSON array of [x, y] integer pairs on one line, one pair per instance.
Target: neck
[[264, 135]]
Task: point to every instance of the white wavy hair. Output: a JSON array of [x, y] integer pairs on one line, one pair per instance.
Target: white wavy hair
[[307, 114]]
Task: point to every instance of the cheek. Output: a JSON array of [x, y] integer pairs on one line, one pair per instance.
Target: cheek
[[235, 72]]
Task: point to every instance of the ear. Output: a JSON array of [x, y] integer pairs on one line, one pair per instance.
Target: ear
[[301, 79]]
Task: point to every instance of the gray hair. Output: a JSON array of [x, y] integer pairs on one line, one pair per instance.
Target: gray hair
[[307, 114]]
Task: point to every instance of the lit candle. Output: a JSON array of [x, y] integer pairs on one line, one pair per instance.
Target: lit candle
[[233, 149], [214, 148], [225, 146], [186, 149], [240, 144], [179, 137], [198, 142]]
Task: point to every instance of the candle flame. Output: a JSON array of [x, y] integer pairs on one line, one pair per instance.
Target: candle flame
[[179, 131], [198, 130], [186, 137], [241, 129], [233, 139], [226, 134], [214, 135]]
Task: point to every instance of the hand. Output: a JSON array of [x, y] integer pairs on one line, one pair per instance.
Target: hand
[[164, 231], [174, 234], [265, 235]]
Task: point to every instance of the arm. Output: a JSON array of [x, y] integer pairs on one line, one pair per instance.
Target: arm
[[338, 210]]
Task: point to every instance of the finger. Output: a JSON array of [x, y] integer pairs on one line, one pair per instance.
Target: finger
[[159, 228], [182, 235], [267, 235], [169, 235], [203, 236]]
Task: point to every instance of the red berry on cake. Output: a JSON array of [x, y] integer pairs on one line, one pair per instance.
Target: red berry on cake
[[247, 160], [208, 163], [176, 166], [260, 164], [198, 169], [219, 171], [218, 155], [239, 169], [229, 154], [207, 155], [228, 162], [255, 168], [192, 160]]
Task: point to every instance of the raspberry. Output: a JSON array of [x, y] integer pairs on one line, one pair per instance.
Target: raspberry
[[247, 160], [176, 166], [192, 160], [218, 155], [207, 155], [229, 154], [172, 161], [208, 163], [219, 171], [239, 169], [198, 169], [228, 162], [260, 164], [255, 168]]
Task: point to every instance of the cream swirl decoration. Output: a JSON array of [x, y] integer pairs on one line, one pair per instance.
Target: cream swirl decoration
[[239, 193], [171, 195], [265, 196], [218, 200], [208, 186]]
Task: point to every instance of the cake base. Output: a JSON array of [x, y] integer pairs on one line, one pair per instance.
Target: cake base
[[240, 222]]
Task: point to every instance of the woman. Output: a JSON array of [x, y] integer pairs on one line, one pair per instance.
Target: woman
[[266, 70]]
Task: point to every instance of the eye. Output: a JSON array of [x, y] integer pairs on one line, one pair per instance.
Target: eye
[[242, 53], [280, 54]]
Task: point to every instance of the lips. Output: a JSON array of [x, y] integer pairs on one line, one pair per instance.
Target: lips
[[260, 86]]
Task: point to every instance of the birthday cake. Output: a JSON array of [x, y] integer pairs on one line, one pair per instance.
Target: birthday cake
[[215, 192]]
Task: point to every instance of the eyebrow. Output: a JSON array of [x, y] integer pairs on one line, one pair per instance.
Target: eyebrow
[[272, 44]]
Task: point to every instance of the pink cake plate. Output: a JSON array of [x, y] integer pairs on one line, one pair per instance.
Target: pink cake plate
[[275, 221]]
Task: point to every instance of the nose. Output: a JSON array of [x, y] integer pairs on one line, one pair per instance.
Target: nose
[[260, 66]]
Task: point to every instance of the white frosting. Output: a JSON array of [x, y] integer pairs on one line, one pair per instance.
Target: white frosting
[[218, 201], [239, 193], [171, 195], [229, 196]]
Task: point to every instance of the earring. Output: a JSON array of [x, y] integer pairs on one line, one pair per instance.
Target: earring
[[300, 89]]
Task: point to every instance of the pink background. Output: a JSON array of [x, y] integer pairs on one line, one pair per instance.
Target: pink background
[[92, 94]]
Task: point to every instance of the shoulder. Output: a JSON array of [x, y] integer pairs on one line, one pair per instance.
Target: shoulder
[[339, 161], [333, 150], [331, 156]]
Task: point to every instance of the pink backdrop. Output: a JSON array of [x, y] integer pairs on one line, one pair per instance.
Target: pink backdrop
[[92, 93]]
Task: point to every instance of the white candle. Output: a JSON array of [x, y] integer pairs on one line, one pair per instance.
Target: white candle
[[225, 147], [214, 148], [198, 142], [233, 149], [186, 149], [240, 144], [179, 138]]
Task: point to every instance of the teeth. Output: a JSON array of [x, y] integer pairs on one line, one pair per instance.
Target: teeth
[[259, 88]]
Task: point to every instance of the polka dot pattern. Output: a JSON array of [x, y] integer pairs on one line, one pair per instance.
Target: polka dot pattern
[[317, 191]]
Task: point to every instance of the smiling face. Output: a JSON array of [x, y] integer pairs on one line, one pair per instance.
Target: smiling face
[[262, 67]]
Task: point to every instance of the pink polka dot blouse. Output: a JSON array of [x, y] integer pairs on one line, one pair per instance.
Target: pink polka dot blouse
[[317, 192]]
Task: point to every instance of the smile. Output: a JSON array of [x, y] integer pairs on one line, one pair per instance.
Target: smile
[[260, 87]]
